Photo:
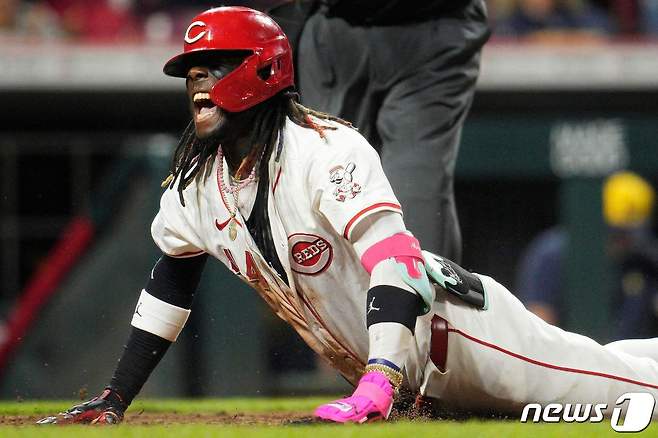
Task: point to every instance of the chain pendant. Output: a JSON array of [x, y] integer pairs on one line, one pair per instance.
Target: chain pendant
[[232, 230]]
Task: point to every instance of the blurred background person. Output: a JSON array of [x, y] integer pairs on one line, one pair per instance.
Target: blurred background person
[[554, 20], [404, 74], [99, 21], [28, 20], [649, 17], [627, 209], [540, 275]]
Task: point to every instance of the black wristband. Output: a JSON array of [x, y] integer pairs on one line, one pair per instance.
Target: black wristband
[[392, 304]]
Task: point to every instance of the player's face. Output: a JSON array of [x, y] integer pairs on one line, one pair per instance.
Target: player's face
[[209, 119]]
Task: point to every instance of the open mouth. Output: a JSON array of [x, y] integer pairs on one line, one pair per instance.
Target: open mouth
[[203, 106]]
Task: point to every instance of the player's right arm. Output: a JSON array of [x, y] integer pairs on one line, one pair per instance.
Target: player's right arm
[[160, 315]]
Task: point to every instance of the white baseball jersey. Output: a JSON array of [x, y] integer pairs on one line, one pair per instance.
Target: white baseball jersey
[[319, 191]]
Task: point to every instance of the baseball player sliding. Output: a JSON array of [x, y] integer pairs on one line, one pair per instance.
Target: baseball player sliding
[[295, 203]]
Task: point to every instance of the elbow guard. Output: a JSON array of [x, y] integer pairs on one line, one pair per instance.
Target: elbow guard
[[456, 280]]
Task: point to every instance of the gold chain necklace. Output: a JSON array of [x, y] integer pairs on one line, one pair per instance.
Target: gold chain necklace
[[234, 191]]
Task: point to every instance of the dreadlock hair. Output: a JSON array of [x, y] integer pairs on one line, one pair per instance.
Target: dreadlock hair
[[193, 155], [193, 158]]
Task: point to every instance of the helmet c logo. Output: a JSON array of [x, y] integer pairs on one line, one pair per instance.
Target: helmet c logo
[[194, 39]]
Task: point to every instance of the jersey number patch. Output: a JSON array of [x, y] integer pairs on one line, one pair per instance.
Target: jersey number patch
[[252, 274]]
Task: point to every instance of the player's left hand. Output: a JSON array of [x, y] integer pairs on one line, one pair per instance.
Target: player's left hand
[[372, 400]]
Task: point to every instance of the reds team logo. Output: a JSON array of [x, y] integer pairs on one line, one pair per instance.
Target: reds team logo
[[189, 39], [311, 254]]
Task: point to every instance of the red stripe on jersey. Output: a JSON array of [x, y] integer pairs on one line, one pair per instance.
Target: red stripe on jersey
[[549, 365], [276, 180], [365, 211]]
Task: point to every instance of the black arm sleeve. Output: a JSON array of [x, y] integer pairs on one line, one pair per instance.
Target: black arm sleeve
[[173, 280]]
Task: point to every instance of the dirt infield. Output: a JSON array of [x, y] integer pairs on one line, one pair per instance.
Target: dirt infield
[[267, 419]]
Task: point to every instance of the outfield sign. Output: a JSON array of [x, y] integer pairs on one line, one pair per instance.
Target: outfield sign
[[638, 412]]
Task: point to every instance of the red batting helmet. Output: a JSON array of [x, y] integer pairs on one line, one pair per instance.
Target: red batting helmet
[[264, 72]]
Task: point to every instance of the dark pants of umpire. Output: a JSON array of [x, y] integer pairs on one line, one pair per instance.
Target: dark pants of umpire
[[408, 89]]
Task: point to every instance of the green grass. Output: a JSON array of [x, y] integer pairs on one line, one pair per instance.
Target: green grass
[[229, 405], [401, 429]]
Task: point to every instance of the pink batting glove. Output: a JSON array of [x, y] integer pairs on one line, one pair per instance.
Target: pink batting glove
[[372, 400]]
